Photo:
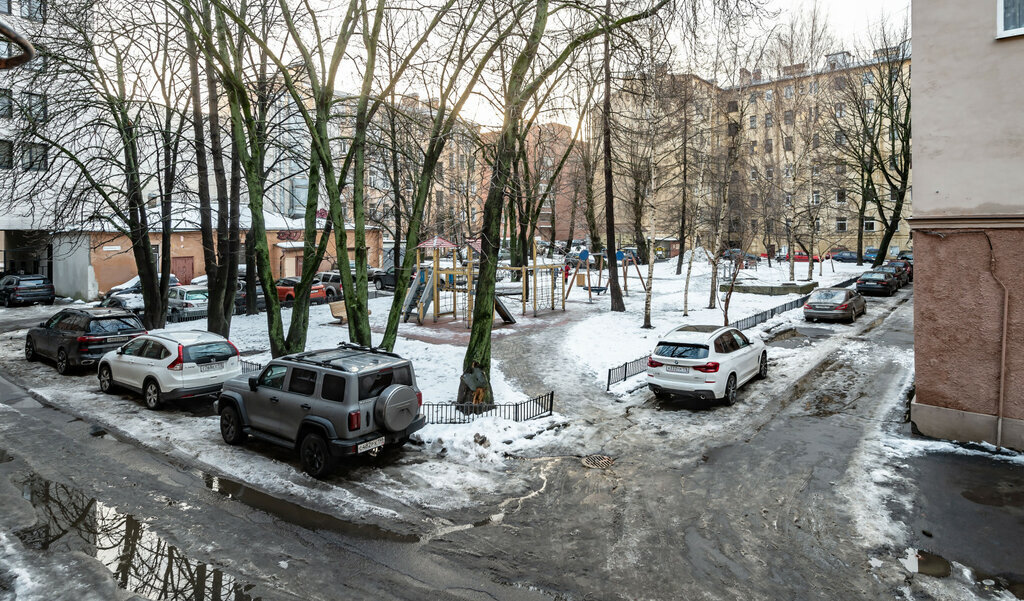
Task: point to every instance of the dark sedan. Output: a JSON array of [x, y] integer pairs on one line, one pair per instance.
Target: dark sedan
[[845, 256], [898, 271], [877, 282], [834, 303], [906, 265], [26, 290]]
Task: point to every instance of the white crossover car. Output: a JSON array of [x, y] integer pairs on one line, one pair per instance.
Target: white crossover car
[[705, 362], [167, 365]]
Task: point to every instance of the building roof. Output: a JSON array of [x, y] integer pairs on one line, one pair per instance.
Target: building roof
[[437, 242]]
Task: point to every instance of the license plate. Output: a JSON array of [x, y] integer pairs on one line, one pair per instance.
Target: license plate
[[371, 445], [211, 366], [119, 339], [677, 369]]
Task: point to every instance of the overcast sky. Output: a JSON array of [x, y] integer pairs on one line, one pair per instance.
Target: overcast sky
[[850, 18]]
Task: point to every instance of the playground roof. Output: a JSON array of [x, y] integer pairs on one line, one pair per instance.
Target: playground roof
[[436, 242], [475, 245]]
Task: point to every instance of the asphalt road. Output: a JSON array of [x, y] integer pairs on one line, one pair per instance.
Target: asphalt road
[[739, 502]]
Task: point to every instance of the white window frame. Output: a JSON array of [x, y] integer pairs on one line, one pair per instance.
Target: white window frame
[[1001, 32], [841, 221], [815, 197], [870, 222]]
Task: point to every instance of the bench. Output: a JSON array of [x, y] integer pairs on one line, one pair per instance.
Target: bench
[[339, 312]]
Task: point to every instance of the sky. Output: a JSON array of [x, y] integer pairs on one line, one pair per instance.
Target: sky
[[850, 18]]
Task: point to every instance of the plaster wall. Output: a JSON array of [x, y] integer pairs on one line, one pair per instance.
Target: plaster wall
[[73, 274]]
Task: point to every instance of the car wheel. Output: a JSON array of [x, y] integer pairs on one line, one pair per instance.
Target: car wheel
[[378, 284], [7, 302], [30, 350], [315, 456], [151, 394], [762, 367], [231, 425], [106, 379], [730, 390], [63, 364]]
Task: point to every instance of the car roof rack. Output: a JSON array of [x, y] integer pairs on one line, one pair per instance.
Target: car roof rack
[[309, 357]]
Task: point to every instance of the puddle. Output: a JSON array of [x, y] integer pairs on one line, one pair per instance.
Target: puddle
[[930, 564], [138, 559], [798, 336], [997, 495], [300, 516], [5, 456]]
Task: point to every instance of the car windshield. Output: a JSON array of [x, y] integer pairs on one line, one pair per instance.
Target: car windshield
[[681, 351], [114, 325], [197, 295], [873, 276], [208, 351], [828, 296]]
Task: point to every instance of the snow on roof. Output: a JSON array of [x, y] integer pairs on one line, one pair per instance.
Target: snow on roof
[[436, 242], [186, 219], [291, 244]]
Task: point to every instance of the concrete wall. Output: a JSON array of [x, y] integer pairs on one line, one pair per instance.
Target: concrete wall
[[73, 274], [967, 90]]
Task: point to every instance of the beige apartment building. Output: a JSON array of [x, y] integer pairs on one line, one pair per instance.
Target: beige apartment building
[[969, 221]]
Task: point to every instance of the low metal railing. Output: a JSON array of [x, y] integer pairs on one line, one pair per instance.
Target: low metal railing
[[464, 413]]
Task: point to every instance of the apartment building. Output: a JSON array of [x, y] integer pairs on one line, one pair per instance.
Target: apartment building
[[969, 221]]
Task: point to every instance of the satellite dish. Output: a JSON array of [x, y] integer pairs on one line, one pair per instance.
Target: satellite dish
[[27, 51]]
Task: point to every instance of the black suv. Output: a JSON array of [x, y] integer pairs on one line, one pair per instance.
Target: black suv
[[325, 404], [77, 337], [26, 289]]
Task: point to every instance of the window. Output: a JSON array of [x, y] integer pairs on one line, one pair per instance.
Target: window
[[840, 168], [681, 351], [768, 95], [869, 106], [5, 47], [753, 147], [40, 61], [840, 224], [734, 128], [815, 140], [34, 158], [273, 376], [155, 350], [303, 381], [133, 348], [741, 340], [5, 7], [869, 225], [840, 138], [753, 226], [816, 169], [6, 102], [788, 91], [789, 199], [768, 146], [35, 107], [768, 120], [753, 98], [789, 169], [789, 117], [33, 10], [816, 197], [814, 87], [732, 106], [803, 89], [867, 79], [333, 388], [769, 173], [726, 344], [894, 193], [817, 225], [840, 110], [753, 201], [788, 143], [1010, 18], [6, 154], [840, 196], [753, 121], [753, 174]]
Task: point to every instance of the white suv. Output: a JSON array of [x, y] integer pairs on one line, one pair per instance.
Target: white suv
[[171, 365], [705, 362]]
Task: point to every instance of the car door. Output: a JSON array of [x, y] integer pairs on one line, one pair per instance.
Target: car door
[[746, 356], [123, 367], [150, 360], [295, 401], [45, 338], [261, 405]]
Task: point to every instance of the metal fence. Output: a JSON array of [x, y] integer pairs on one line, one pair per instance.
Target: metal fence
[[250, 367], [636, 366], [454, 413]]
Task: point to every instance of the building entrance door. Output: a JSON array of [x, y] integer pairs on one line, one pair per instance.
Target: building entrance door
[[183, 269]]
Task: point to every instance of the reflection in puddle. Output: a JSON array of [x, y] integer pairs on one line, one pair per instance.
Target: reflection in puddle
[[300, 516], [140, 561]]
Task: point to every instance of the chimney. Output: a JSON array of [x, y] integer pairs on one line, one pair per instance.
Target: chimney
[[744, 76], [757, 76]]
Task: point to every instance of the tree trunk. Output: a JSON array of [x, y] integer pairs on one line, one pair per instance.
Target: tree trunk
[[617, 303]]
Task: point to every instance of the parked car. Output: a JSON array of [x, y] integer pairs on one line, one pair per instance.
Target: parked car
[[908, 265], [187, 302], [834, 303], [331, 281], [80, 337], [734, 254], [801, 257], [240, 297], [384, 279], [870, 253], [286, 291], [169, 365], [705, 362], [844, 256], [325, 404], [898, 271], [877, 282], [125, 302], [26, 290], [134, 286], [906, 255]]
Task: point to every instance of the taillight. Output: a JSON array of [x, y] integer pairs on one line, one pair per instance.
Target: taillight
[[652, 363], [188, 305], [808, 306], [179, 361], [860, 281], [355, 420], [85, 341], [419, 399], [237, 354], [708, 368], [842, 307]]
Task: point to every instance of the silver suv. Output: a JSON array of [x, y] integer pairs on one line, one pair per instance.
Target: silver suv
[[325, 404]]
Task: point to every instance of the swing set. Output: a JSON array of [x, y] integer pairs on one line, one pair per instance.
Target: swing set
[[600, 288]]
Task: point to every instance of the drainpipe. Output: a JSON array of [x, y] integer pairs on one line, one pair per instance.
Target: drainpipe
[[1005, 326]]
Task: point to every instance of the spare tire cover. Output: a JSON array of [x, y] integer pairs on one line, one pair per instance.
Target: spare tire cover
[[396, 407]]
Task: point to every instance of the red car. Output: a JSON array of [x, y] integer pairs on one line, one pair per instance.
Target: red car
[[286, 291], [801, 257]]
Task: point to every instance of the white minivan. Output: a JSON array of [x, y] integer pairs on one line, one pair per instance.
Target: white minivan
[[165, 365], [705, 362]]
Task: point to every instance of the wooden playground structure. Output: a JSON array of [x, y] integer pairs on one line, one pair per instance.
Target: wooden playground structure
[[443, 287]]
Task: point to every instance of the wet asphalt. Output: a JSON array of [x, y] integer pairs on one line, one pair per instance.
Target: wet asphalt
[[754, 510]]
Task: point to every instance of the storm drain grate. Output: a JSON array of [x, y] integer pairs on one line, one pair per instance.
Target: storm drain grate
[[598, 461]]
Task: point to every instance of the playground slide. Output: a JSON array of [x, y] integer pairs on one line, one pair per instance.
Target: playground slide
[[503, 311], [413, 296]]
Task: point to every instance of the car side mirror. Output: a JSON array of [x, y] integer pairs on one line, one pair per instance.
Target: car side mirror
[[120, 350], [253, 383], [42, 324]]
